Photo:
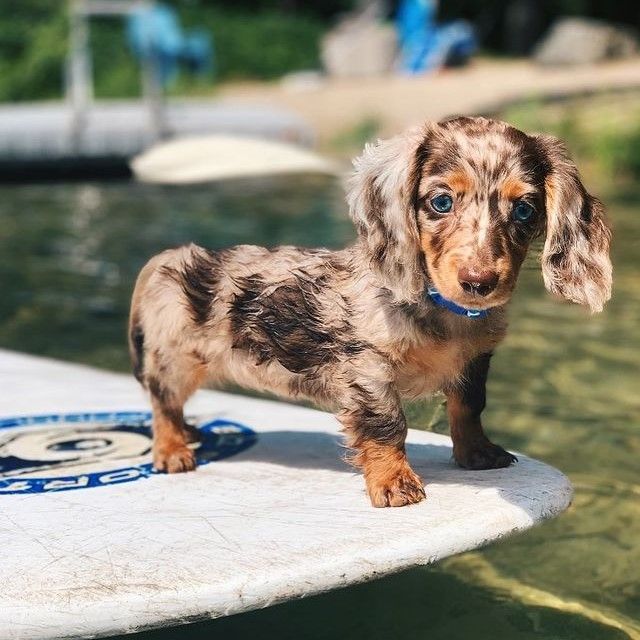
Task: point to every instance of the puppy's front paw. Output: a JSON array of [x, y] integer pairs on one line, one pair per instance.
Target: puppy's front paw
[[483, 455], [174, 458], [395, 489]]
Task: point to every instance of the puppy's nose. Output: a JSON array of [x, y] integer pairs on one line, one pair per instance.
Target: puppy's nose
[[477, 281]]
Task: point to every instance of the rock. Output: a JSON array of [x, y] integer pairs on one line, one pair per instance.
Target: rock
[[359, 45], [573, 41]]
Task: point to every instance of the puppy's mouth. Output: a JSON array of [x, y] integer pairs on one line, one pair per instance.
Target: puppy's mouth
[[478, 301], [476, 296]]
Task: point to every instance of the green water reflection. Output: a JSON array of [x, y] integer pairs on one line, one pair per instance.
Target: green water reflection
[[564, 388]]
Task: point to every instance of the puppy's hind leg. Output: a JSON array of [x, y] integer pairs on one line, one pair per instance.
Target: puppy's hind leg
[[170, 388]]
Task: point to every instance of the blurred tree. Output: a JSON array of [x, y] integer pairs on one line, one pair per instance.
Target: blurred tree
[[32, 46], [319, 8], [523, 24], [513, 26], [262, 44]]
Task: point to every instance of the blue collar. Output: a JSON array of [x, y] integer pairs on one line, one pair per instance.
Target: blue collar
[[438, 299]]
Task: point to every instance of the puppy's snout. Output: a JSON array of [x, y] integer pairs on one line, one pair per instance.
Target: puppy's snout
[[477, 281]]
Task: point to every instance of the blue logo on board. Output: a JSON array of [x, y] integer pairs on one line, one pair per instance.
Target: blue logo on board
[[40, 454]]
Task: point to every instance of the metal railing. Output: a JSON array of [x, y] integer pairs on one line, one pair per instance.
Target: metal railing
[[79, 76]]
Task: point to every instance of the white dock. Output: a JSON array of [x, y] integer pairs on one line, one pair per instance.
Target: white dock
[[43, 131], [94, 544]]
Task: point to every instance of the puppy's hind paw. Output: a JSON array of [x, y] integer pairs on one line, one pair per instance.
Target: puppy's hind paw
[[174, 459], [484, 455]]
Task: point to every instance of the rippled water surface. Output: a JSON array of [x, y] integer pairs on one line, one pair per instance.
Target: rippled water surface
[[563, 388]]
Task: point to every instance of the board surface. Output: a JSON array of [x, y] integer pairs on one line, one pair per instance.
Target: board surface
[[95, 544]]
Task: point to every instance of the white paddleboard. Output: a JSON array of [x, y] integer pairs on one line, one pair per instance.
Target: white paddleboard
[[215, 157], [95, 544]]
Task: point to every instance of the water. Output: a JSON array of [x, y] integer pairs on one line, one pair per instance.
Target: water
[[563, 388]]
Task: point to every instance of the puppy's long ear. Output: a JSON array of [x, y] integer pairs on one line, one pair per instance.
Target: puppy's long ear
[[575, 259], [380, 196]]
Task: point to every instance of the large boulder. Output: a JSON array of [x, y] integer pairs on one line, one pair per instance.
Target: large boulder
[[573, 41], [359, 45]]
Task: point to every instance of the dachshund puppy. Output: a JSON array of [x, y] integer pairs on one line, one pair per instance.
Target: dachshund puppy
[[445, 214]]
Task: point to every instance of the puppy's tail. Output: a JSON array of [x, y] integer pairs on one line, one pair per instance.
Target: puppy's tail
[[136, 327], [136, 349]]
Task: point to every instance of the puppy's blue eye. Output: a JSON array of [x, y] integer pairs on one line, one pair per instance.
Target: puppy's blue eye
[[522, 211], [442, 203]]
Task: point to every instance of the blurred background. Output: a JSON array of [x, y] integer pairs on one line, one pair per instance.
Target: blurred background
[[86, 86]]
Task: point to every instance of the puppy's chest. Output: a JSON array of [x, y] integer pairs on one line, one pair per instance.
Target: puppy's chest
[[428, 365]]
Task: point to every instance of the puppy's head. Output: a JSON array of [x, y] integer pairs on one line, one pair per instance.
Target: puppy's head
[[456, 204]]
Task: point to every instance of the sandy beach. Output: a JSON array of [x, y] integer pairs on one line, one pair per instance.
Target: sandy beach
[[334, 107]]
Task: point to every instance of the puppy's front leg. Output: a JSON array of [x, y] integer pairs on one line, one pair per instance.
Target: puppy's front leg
[[171, 436], [376, 429], [465, 402]]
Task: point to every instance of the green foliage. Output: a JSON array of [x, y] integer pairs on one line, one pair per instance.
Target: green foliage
[[116, 72], [260, 45], [264, 43], [32, 48], [325, 9]]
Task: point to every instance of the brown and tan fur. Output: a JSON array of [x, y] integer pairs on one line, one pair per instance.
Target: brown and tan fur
[[353, 329]]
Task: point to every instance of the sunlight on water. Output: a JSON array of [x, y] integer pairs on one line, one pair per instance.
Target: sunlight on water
[[563, 388]]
